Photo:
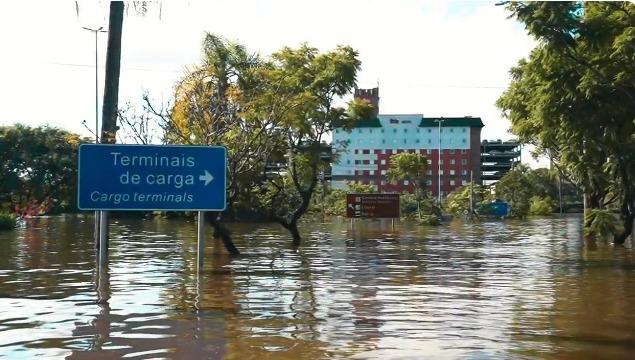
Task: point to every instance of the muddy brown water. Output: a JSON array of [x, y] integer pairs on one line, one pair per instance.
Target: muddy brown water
[[494, 290]]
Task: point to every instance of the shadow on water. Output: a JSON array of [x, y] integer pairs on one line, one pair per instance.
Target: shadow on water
[[519, 289]]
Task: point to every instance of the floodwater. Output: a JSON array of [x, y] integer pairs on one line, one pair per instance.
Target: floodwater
[[495, 290]]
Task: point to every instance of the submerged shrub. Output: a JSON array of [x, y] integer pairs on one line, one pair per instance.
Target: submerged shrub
[[7, 221], [602, 224], [541, 206]]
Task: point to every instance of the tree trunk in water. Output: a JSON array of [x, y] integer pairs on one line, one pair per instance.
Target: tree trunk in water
[[113, 65], [629, 217], [222, 233], [295, 233]]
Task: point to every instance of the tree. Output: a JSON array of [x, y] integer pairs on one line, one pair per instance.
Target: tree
[[38, 170], [300, 89], [210, 106], [574, 97], [409, 167], [516, 188]]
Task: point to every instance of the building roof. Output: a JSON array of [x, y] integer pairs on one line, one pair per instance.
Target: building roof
[[367, 123], [452, 121]]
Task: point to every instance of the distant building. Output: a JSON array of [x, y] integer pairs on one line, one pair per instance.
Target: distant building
[[372, 142], [497, 158]]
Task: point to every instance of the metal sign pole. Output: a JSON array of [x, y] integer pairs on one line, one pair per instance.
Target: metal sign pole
[[103, 239], [201, 242]]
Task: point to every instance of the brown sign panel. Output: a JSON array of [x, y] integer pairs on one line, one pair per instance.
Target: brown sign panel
[[372, 205]]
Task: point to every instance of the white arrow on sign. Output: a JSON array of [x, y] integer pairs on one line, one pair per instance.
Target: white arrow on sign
[[207, 177]]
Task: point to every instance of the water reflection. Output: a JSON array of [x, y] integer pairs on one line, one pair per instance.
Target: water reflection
[[488, 290]]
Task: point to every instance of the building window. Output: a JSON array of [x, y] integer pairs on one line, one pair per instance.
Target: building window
[[429, 172], [440, 172], [463, 182], [383, 182], [372, 172], [366, 151], [463, 151], [359, 131], [337, 131], [464, 140], [441, 183], [404, 141], [356, 151], [406, 182], [451, 130], [394, 130], [357, 162], [441, 161], [429, 161], [417, 131], [382, 131], [375, 162], [417, 141], [452, 172], [370, 131], [452, 161], [464, 130], [451, 151], [348, 161], [383, 141], [429, 130], [428, 182], [366, 162], [405, 130], [429, 141], [383, 161], [464, 172], [463, 161], [451, 182], [383, 172]]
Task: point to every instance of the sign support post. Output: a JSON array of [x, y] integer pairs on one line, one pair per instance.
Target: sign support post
[[103, 239], [201, 242], [148, 178]]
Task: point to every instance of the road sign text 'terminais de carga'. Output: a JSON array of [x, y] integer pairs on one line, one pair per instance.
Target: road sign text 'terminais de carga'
[[149, 177]]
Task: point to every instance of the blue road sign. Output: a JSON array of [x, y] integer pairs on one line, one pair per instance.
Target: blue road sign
[[152, 177]]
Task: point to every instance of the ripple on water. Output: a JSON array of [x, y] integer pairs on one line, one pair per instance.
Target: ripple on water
[[490, 290]]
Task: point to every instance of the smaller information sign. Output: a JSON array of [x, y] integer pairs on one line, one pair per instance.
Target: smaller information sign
[[372, 205]]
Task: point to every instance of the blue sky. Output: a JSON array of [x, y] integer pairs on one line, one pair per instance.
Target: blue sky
[[429, 57]]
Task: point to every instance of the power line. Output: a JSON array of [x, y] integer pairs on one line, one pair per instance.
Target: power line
[[123, 67]]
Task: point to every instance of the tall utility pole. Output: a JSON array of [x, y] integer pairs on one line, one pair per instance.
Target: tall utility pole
[[96, 31], [439, 164]]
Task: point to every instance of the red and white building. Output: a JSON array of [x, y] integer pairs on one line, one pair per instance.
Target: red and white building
[[365, 150]]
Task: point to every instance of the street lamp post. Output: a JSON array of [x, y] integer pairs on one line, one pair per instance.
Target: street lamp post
[[439, 163], [96, 31]]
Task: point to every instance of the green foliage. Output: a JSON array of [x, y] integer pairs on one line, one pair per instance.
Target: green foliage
[[39, 167], [7, 221], [458, 201], [335, 200], [299, 88], [516, 188], [601, 223], [574, 96], [541, 206], [409, 166]]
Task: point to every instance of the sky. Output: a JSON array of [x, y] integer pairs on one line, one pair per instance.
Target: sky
[[435, 58]]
